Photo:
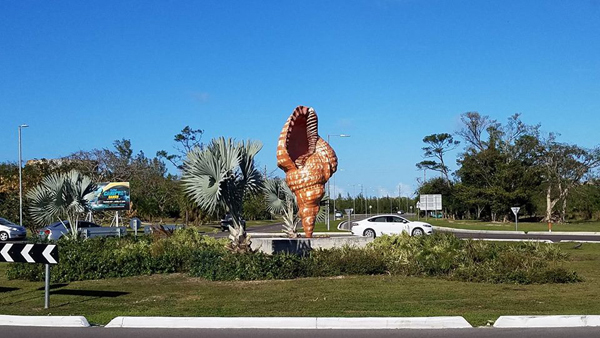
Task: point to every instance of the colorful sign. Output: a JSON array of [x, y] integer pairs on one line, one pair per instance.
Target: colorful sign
[[111, 196]]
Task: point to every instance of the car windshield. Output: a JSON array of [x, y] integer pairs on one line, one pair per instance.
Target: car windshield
[[6, 222]]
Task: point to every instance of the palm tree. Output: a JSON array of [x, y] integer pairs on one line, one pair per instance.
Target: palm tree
[[217, 178], [62, 196], [282, 201]]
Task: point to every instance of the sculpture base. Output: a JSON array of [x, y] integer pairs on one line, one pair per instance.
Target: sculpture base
[[271, 245]]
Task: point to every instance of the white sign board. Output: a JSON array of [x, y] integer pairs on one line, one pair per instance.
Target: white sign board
[[431, 202], [515, 210], [348, 211]]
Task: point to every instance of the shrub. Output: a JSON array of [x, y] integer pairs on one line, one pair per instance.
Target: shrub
[[99, 258], [447, 256], [440, 255]]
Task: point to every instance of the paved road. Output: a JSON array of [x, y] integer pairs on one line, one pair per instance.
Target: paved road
[[99, 332]]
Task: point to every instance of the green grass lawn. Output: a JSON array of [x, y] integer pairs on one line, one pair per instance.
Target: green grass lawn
[[322, 226], [180, 295], [523, 226]]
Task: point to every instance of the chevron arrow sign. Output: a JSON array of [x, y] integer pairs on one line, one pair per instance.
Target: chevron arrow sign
[[29, 253]]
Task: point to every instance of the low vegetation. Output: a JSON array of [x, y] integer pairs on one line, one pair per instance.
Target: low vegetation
[[441, 255]]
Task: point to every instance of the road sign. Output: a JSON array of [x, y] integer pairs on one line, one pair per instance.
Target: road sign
[[29, 253], [431, 202], [515, 210], [348, 211]]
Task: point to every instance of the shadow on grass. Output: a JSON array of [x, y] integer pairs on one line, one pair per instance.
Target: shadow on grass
[[3, 289], [92, 294], [89, 293], [53, 286]]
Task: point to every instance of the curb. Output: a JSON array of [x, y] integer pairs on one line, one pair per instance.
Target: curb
[[55, 321], [503, 232], [499, 232], [282, 235], [546, 321], [454, 322]]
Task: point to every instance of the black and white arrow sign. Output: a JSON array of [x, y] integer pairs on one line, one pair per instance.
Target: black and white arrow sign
[[29, 253]]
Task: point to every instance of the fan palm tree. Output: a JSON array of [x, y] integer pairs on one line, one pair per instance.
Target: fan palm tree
[[218, 177], [62, 196], [282, 201]]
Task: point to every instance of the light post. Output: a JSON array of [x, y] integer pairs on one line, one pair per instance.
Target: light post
[[21, 178], [328, 182], [334, 195], [361, 193]]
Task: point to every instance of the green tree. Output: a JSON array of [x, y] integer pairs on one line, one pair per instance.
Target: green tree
[[62, 196], [564, 167], [220, 176], [437, 146], [185, 141], [282, 201]]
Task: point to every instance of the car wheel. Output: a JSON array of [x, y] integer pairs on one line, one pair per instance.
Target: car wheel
[[417, 232], [3, 237], [370, 233]]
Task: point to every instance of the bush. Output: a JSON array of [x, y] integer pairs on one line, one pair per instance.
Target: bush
[[441, 255], [256, 266], [447, 256], [99, 258]]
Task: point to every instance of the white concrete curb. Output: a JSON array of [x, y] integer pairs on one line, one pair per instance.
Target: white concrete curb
[[510, 240], [393, 323], [503, 232], [282, 235], [547, 321], [57, 321], [290, 322]]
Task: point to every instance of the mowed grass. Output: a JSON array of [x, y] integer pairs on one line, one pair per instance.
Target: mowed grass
[[350, 296], [523, 226]]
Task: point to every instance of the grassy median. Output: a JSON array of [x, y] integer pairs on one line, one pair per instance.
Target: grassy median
[[180, 295]]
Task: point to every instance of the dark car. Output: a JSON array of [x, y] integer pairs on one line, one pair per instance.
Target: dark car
[[56, 230], [228, 220], [9, 230]]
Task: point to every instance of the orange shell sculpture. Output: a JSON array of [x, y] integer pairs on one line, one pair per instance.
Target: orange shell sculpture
[[308, 162]]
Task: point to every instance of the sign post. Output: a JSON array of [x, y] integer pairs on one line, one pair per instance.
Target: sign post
[[515, 211], [32, 253]]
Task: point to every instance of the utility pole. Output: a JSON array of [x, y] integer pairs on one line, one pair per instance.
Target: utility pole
[[21, 178]]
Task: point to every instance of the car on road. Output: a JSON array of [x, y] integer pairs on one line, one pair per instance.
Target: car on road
[[389, 225], [338, 214], [228, 220], [10, 230], [56, 230]]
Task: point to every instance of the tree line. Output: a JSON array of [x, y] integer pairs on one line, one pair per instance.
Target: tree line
[[511, 164], [156, 195]]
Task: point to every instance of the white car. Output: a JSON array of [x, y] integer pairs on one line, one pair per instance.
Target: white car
[[389, 225]]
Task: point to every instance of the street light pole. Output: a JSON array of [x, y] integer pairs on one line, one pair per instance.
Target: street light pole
[[21, 178], [328, 181], [354, 201]]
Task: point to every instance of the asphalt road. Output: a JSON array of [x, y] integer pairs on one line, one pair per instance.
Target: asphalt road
[[553, 238], [99, 332]]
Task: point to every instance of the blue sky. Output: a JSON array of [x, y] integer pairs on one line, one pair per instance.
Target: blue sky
[[85, 73]]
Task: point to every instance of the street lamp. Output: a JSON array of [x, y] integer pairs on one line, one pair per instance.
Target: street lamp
[[21, 178], [361, 193], [353, 201], [328, 182]]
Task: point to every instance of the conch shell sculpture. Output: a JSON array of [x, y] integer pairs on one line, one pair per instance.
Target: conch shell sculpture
[[308, 162]]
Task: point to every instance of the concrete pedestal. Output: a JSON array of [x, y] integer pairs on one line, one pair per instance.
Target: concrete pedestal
[[304, 245]]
